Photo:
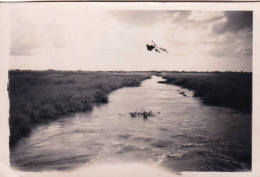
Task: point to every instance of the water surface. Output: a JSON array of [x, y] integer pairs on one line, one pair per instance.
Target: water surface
[[183, 135]]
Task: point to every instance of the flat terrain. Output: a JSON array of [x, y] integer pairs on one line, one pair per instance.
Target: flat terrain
[[227, 89], [42, 96], [152, 123], [38, 97]]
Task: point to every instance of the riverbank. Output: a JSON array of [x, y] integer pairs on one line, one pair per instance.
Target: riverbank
[[38, 97], [227, 89], [182, 134]]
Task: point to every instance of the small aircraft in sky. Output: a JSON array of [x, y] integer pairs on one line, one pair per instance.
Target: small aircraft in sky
[[153, 46]]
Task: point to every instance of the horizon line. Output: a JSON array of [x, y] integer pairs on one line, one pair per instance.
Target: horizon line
[[182, 71]]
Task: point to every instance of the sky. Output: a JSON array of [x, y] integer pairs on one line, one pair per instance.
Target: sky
[[80, 39]]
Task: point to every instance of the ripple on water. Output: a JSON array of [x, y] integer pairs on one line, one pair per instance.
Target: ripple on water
[[144, 139], [125, 136]]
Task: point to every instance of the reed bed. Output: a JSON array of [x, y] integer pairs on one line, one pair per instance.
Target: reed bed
[[38, 97]]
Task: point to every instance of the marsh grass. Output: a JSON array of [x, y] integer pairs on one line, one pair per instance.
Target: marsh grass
[[229, 89], [142, 113], [43, 96]]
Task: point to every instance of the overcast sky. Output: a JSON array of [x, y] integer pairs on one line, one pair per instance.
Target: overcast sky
[[80, 39]]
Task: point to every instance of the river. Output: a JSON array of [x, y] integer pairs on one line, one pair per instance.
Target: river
[[183, 135]]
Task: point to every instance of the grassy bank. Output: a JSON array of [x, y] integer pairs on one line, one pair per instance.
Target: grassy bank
[[220, 89], [42, 96]]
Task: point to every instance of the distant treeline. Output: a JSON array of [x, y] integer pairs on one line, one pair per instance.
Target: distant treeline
[[183, 71], [151, 71], [43, 96], [230, 89]]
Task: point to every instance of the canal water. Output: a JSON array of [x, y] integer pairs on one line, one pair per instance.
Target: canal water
[[182, 135]]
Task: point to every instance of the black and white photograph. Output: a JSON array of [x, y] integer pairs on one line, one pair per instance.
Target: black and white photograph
[[161, 91]]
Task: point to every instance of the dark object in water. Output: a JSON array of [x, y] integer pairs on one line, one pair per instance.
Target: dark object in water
[[183, 93], [144, 114], [133, 114]]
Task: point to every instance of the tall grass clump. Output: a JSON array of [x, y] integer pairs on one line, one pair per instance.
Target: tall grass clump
[[43, 96], [229, 89]]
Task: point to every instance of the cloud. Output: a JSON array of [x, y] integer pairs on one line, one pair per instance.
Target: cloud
[[23, 37], [235, 21], [150, 17], [23, 47], [216, 33], [35, 32], [234, 45], [233, 35], [111, 40]]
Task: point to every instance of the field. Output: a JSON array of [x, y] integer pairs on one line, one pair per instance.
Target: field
[[43, 96], [229, 89]]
